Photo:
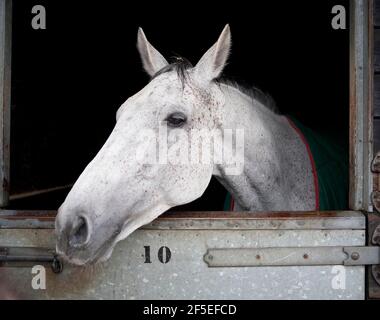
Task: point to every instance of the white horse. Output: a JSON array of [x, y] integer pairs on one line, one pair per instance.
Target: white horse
[[117, 192]]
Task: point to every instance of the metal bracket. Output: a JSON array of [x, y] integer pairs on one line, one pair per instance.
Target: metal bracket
[[292, 256], [29, 256]]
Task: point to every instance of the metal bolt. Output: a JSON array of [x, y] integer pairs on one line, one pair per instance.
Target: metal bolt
[[305, 256], [56, 265], [355, 256], [258, 257]]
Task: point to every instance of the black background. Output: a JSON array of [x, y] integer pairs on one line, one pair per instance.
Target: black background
[[69, 80]]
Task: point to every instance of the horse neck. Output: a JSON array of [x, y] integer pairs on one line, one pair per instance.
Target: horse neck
[[277, 171]]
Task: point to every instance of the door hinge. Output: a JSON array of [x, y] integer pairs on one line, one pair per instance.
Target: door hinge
[[292, 256]]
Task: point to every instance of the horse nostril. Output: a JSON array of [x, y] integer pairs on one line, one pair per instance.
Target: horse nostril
[[79, 235]]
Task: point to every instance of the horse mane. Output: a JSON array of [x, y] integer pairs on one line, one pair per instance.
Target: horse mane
[[253, 92], [181, 66]]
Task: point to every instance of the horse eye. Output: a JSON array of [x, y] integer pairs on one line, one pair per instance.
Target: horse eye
[[176, 119]]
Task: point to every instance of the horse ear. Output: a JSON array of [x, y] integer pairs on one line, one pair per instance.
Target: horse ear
[[211, 65], [152, 60]]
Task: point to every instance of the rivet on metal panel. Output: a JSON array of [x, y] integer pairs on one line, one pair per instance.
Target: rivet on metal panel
[[355, 256]]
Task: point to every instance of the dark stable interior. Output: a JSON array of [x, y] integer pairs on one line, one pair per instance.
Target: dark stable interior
[[69, 80]]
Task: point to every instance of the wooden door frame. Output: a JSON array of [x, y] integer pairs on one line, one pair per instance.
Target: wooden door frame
[[361, 105]]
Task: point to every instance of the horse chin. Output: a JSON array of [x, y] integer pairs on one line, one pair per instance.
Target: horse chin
[[129, 227], [104, 252], [71, 260], [80, 262]]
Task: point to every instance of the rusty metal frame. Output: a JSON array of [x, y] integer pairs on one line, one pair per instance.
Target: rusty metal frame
[[5, 96], [361, 104]]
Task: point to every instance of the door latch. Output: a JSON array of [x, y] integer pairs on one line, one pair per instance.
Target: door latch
[[29, 256]]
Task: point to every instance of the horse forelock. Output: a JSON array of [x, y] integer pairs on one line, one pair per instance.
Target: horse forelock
[[179, 65], [182, 66]]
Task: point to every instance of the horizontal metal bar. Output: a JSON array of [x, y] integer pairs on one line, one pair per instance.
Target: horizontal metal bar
[[24, 258], [29, 256], [10, 254], [292, 256], [358, 256]]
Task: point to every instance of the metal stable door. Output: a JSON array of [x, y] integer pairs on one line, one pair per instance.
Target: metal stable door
[[215, 255]]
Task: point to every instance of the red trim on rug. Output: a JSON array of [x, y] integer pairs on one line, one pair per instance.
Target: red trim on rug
[[314, 169]]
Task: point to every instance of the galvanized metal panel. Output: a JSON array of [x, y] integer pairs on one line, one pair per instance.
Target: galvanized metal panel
[[5, 95], [186, 275]]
